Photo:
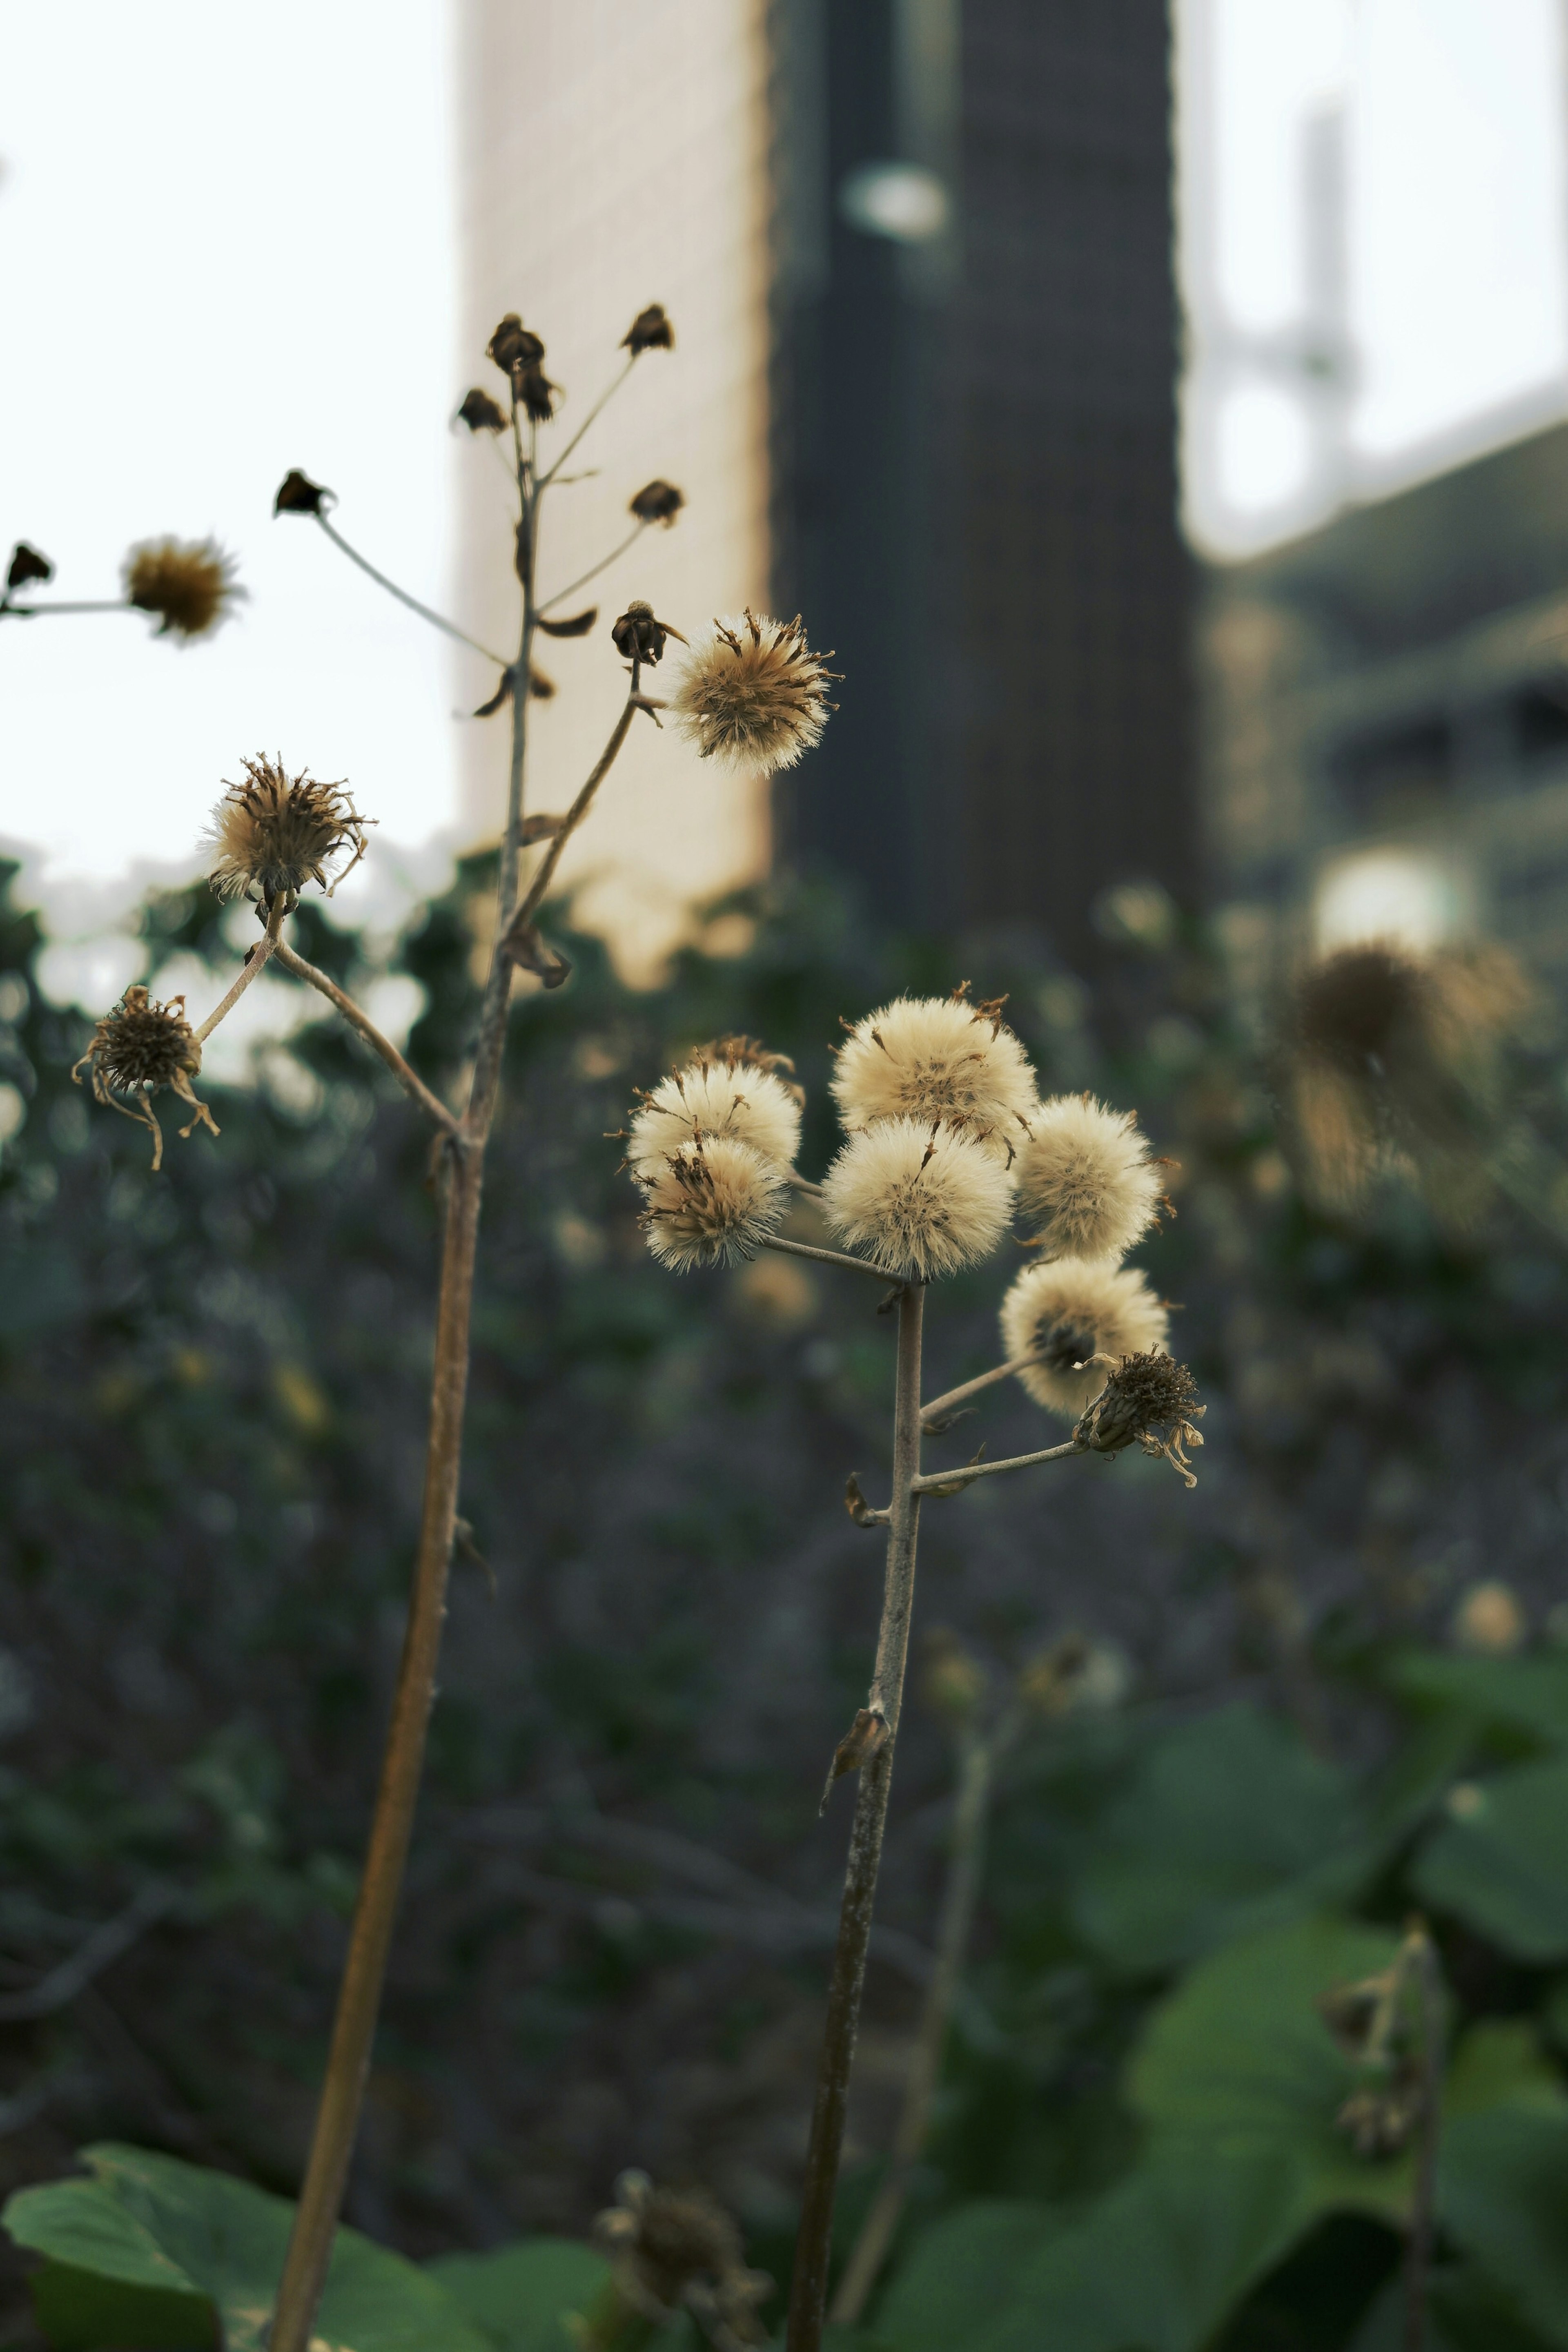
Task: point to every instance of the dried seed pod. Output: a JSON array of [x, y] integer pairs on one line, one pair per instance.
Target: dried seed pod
[[657, 502], [188, 584], [297, 493], [638, 636], [650, 332], [514, 346], [274, 833], [28, 565], [137, 1050], [1149, 1399], [537, 395], [481, 413]]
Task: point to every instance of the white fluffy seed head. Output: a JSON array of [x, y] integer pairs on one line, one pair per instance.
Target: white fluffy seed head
[[937, 1058], [716, 1098], [918, 1201], [1070, 1309], [1085, 1180], [711, 1202]]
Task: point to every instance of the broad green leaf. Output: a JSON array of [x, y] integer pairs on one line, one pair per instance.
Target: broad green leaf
[[153, 2221], [960, 2274], [1503, 2194], [1465, 2311], [519, 2294], [1502, 1866], [1525, 1700], [78, 2311], [1230, 1823], [1500, 2063]]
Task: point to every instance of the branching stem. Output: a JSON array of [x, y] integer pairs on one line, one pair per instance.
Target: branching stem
[[948, 1482], [41, 611], [359, 1019], [827, 1257], [1428, 1994], [260, 955], [436, 620], [605, 397], [594, 570], [933, 1413]]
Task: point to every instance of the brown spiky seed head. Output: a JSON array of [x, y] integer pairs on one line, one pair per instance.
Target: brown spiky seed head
[[137, 1050], [657, 502], [712, 1201], [189, 584], [1150, 1401], [27, 565], [274, 833], [297, 493], [513, 345], [481, 413], [639, 636], [650, 332], [754, 696]]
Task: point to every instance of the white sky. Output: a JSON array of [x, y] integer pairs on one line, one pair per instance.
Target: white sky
[[226, 247]]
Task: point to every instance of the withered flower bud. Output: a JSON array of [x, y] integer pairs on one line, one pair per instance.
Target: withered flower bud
[[189, 585], [1149, 1399], [650, 332], [638, 636], [674, 2250], [513, 345], [479, 412], [139, 1048], [275, 832], [297, 493], [27, 565], [537, 395], [658, 503]]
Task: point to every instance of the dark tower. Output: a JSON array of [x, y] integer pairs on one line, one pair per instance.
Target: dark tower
[[975, 458]]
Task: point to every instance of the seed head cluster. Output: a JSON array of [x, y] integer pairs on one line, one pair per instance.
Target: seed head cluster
[[1085, 1180], [941, 1060], [139, 1048], [1069, 1311], [188, 584], [753, 695], [274, 833], [917, 1200], [711, 1202]]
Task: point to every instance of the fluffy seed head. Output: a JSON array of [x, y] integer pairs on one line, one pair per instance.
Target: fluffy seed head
[[135, 1050], [753, 695], [919, 1200], [1150, 1401], [274, 833], [937, 1058], [711, 1097], [1071, 1309], [188, 584], [1085, 1180], [709, 1203]]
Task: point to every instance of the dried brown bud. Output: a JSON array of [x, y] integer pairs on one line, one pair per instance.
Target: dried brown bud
[[514, 346], [860, 1742], [28, 564], [1151, 1400], [674, 2250], [480, 414], [650, 332], [638, 636], [297, 493], [275, 832], [578, 626], [658, 503], [537, 395], [135, 1050], [189, 585]]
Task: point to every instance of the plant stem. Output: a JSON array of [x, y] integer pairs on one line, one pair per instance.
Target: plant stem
[[41, 611], [975, 1757], [1418, 2248], [594, 570], [413, 1084], [813, 2250], [950, 1397], [259, 956], [436, 620], [825, 1256], [949, 1482]]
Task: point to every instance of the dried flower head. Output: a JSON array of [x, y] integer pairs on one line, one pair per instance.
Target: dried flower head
[[919, 1200], [479, 412], [297, 493], [678, 2250], [657, 502], [135, 1050], [650, 332], [711, 1202], [1149, 1399], [753, 695], [27, 565], [1073, 1675], [639, 636], [1066, 1312], [937, 1057], [1085, 1180], [712, 1097], [274, 833], [513, 345], [188, 584], [537, 395]]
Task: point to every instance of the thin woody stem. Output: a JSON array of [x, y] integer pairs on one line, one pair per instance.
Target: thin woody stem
[[578, 811], [266, 947], [436, 620], [976, 1758], [41, 611], [594, 570], [605, 397], [825, 1256], [808, 2291], [951, 1397], [946, 1482], [359, 1019], [1418, 2248]]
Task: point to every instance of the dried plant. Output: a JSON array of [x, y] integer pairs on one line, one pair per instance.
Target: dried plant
[[939, 1104], [188, 585]]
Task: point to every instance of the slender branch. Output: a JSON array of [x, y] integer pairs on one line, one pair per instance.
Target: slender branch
[[976, 1757], [41, 611], [803, 1184], [1418, 2249], [250, 969], [605, 397], [576, 811], [359, 1019], [808, 2291], [948, 1482], [436, 620], [931, 1414], [827, 1257], [594, 570]]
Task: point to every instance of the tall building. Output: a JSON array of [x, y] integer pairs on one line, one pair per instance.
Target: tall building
[[974, 434]]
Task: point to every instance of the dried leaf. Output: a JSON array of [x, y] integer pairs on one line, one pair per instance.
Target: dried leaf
[[859, 1743]]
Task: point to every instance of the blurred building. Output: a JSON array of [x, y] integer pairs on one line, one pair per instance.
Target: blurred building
[[1386, 717]]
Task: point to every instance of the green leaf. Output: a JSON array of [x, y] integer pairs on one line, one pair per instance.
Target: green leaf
[[79, 2310], [1465, 2311], [151, 2222], [1503, 2193], [519, 2294], [1522, 1699], [1230, 1823], [960, 2274], [1502, 1867]]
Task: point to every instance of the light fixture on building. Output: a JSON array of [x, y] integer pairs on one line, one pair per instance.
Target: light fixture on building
[[1399, 895], [901, 201]]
